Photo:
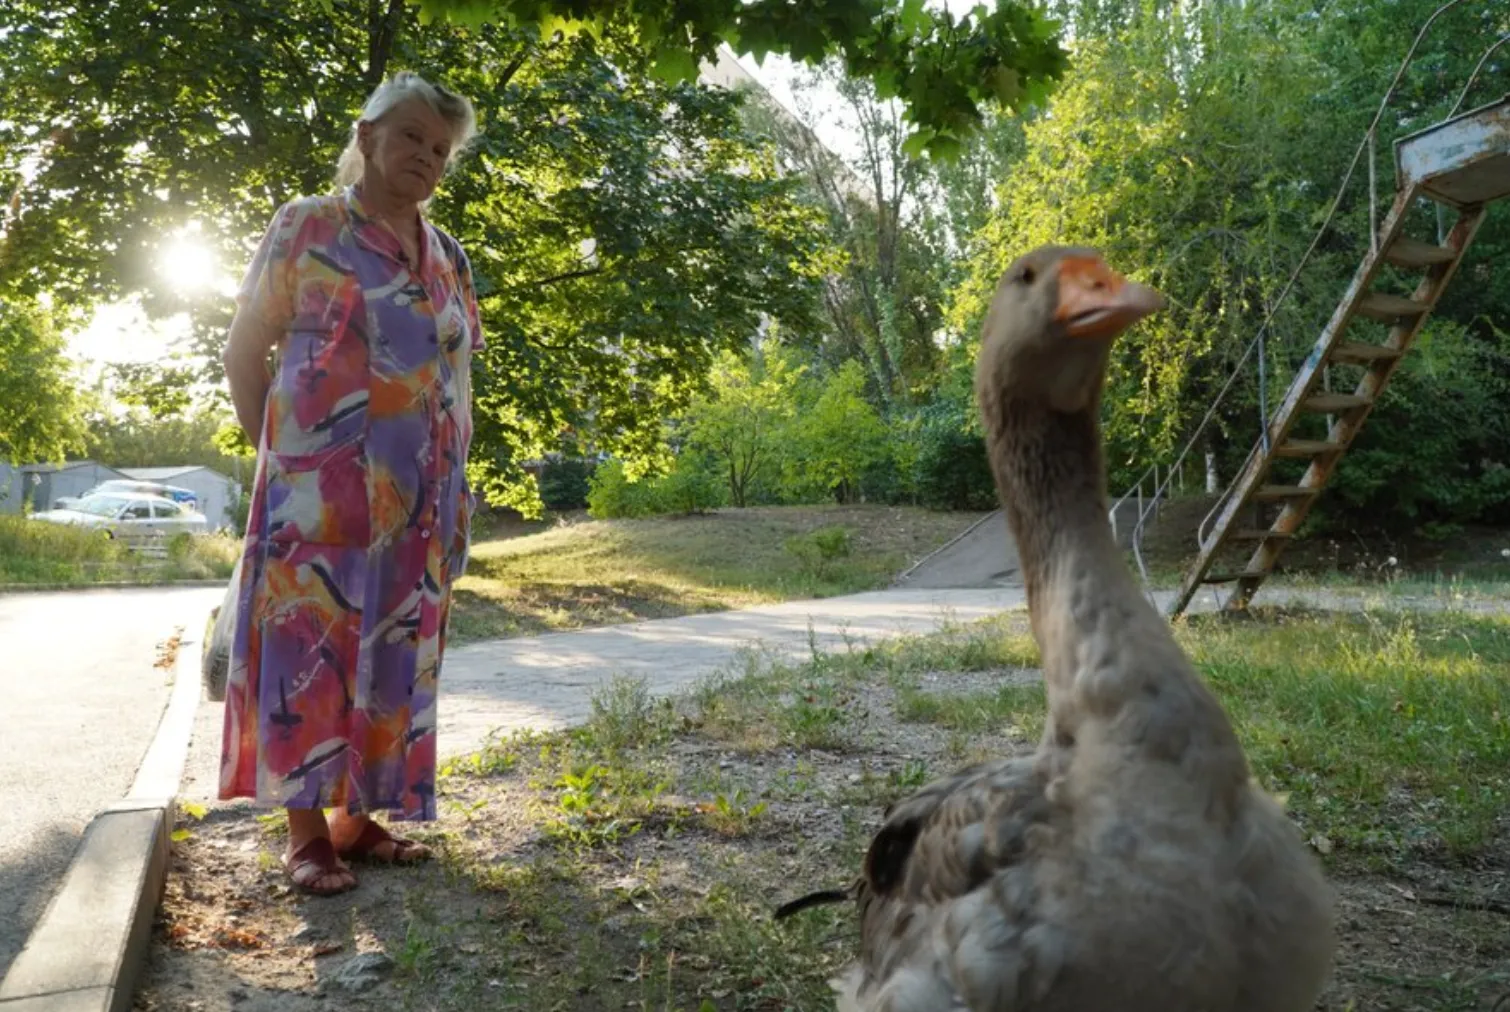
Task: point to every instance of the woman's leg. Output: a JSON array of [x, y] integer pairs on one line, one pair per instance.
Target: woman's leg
[[315, 867]]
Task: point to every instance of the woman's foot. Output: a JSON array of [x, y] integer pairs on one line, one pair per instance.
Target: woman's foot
[[311, 862], [359, 838], [315, 868]]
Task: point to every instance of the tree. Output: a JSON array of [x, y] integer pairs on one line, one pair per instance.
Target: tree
[[137, 439], [622, 230], [1183, 179], [743, 421], [941, 68], [882, 298], [837, 438], [1202, 149], [41, 412]]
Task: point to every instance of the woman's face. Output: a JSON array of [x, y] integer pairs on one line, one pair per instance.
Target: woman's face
[[406, 150]]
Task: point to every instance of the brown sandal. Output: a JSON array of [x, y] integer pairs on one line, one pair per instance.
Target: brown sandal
[[314, 861], [373, 836]]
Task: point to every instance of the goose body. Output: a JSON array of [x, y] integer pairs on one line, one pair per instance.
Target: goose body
[[1130, 864]]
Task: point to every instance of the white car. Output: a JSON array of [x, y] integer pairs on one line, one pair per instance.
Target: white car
[[133, 519]]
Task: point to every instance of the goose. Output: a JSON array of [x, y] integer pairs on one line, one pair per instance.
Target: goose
[[1131, 863]]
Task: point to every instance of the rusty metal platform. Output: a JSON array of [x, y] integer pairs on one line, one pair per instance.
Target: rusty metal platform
[[1462, 161]]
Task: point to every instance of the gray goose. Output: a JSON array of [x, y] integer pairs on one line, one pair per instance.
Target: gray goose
[[1130, 864]]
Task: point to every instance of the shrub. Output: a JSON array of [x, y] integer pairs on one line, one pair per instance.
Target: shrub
[[691, 487], [565, 483], [611, 495], [818, 550]]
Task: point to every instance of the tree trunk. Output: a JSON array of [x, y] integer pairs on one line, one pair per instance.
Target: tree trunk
[[382, 32]]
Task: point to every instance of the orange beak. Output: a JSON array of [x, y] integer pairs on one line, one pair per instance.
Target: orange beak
[[1096, 301]]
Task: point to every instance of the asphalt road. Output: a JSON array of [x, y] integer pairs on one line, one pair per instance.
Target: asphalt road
[[80, 700]]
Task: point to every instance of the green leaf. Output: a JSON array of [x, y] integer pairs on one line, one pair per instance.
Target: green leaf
[[1006, 85], [193, 810], [914, 18], [917, 142], [180, 835], [674, 64]]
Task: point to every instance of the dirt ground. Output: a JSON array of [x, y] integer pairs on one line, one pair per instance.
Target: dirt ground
[[634, 864]]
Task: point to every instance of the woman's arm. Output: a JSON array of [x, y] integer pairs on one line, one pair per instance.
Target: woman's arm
[[264, 305], [246, 372]]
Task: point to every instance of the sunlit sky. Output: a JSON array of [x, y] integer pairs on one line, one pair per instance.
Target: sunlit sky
[[122, 332]]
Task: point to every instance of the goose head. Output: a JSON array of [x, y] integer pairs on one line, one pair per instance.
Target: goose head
[[1051, 324]]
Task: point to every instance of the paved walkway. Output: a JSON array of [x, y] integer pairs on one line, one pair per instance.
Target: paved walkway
[[546, 682], [82, 702]]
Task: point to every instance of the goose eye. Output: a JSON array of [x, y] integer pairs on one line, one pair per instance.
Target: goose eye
[[1026, 275]]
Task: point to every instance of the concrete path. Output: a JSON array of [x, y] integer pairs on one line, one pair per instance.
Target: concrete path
[[82, 701], [546, 682], [985, 554]]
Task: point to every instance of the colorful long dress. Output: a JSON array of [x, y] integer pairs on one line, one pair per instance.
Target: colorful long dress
[[360, 514]]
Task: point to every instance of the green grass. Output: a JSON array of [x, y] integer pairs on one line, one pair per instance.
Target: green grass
[[590, 572], [633, 861], [33, 553], [1389, 731], [1386, 732]]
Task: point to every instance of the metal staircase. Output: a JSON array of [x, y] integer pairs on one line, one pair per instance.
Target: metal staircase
[[1461, 165]]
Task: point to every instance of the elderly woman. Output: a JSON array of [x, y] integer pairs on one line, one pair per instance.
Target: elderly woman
[[360, 510]]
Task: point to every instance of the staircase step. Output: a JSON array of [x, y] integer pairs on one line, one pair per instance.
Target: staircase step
[[1270, 493], [1415, 254], [1257, 534], [1331, 403], [1245, 574], [1388, 308], [1307, 448], [1356, 353]]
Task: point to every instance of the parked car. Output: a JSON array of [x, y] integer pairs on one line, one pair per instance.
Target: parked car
[[134, 519], [125, 486]]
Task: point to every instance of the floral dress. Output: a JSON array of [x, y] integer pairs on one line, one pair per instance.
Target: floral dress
[[360, 514]]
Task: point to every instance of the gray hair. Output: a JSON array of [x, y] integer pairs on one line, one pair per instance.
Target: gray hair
[[401, 87]]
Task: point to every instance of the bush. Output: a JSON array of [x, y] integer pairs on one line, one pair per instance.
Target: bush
[[34, 551], [691, 487], [953, 470], [564, 484], [612, 496], [818, 550]]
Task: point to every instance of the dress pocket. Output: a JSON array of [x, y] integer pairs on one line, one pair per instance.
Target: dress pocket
[[322, 497]]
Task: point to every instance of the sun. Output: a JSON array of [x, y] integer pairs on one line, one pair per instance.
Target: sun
[[187, 263]]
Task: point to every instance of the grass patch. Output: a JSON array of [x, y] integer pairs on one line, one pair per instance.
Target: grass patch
[[33, 552], [1389, 731], [634, 861], [600, 572], [1017, 706]]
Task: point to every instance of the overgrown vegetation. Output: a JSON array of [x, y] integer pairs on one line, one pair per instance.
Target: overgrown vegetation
[[33, 552], [634, 861]]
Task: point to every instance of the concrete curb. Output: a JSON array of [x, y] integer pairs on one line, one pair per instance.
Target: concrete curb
[[86, 951]]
